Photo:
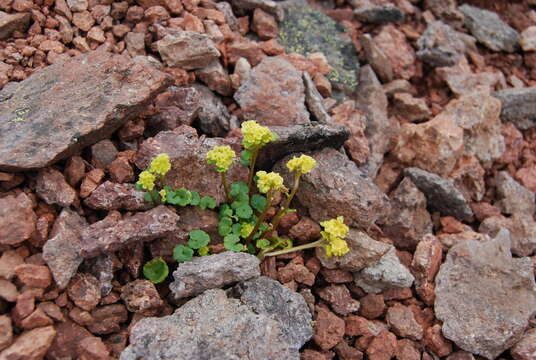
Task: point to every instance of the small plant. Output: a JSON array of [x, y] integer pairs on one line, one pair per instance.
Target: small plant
[[156, 270], [243, 218]]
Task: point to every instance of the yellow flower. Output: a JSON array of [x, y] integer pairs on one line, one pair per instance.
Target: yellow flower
[[160, 164], [303, 164], [203, 251], [146, 180], [337, 247], [222, 157], [246, 230], [255, 135], [163, 194], [269, 181], [334, 228]]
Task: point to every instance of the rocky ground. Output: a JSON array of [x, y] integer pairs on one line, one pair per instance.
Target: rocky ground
[[420, 114]]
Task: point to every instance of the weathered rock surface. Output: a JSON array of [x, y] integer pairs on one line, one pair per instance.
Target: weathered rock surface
[[13, 22], [211, 272], [111, 235], [397, 50], [341, 187], [441, 194], [6, 332], [489, 29], [278, 80], [512, 197], [376, 12], [213, 117], [17, 219], [52, 187], [518, 106], [141, 296], [175, 106], [114, 196], [402, 320], [187, 154], [31, 345], [525, 349], [314, 100], [522, 228], [87, 98], [484, 296], [188, 50], [62, 250]]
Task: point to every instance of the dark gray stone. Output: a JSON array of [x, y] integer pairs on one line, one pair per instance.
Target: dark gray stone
[[368, 12], [314, 100], [518, 106], [213, 118]]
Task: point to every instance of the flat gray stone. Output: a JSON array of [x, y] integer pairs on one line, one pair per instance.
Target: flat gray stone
[[518, 106]]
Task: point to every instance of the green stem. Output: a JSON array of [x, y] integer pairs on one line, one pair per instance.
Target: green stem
[[297, 248], [261, 218], [252, 161], [225, 187]]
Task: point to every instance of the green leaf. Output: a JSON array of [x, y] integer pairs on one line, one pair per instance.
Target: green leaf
[[224, 226], [244, 211], [147, 197], [198, 239], [235, 229], [258, 202], [288, 211], [207, 202], [180, 197], [168, 188], [138, 186], [263, 243], [195, 198], [251, 249], [245, 157], [182, 253], [156, 270], [225, 211], [239, 187], [232, 242], [203, 251]]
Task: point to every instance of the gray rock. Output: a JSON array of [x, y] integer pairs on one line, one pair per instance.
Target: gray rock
[[441, 45], [103, 153], [528, 39], [271, 7], [213, 326], [13, 22], [61, 252], [213, 117], [300, 138], [518, 106], [328, 38], [102, 268], [489, 29], [314, 100], [73, 104], [512, 196], [341, 188], [441, 194], [187, 49], [213, 271], [386, 273], [522, 228], [114, 196], [526, 347], [230, 17], [370, 12], [484, 296], [364, 251]]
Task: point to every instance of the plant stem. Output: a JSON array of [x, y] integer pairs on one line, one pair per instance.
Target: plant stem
[[297, 248], [225, 187], [261, 218], [252, 161]]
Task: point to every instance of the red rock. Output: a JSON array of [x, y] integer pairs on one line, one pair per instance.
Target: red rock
[[468, 177], [25, 304], [92, 348], [382, 347], [402, 321], [108, 319], [187, 50], [359, 326], [211, 14], [10, 23], [6, 332], [34, 275], [410, 108], [513, 141], [264, 25], [272, 47], [527, 177], [141, 296], [216, 78], [84, 291], [121, 171], [156, 14], [52, 187], [340, 299], [346, 352], [75, 170], [434, 341], [309, 354], [525, 349], [305, 231], [407, 350], [8, 291], [398, 51], [426, 259], [37, 318], [372, 306], [134, 14], [52, 310], [329, 329], [81, 317], [31, 345], [83, 20], [397, 294], [65, 344], [357, 145], [117, 343], [242, 47], [17, 219], [337, 276]]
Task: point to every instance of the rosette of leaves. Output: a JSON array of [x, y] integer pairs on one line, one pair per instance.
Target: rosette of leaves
[[198, 240], [156, 270]]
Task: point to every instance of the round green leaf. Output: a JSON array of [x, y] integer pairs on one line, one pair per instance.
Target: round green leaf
[[182, 253], [245, 157], [238, 187], [225, 211], [244, 211], [235, 229], [263, 243], [225, 226], [258, 202], [232, 242], [195, 198], [180, 197], [207, 202], [198, 239], [156, 270]]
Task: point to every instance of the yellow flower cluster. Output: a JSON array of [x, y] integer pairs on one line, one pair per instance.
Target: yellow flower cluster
[[255, 135], [246, 230], [335, 230], [269, 181], [303, 164], [146, 180], [160, 164], [222, 157]]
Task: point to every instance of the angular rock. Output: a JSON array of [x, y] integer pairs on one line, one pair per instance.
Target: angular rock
[[8, 291], [300, 138], [109, 235], [216, 78], [512, 197], [214, 271], [518, 106], [338, 296], [114, 89], [17, 219], [271, 7], [234, 329], [213, 117], [377, 59], [462, 81], [314, 100], [8, 262], [372, 306], [528, 39], [84, 291], [108, 319], [37, 276], [488, 28], [187, 49], [392, 42], [329, 329], [114, 196], [328, 38], [425, 265], [441, 194], [31, 345], [522, 228], [52, 187], [411, 108], [403, 323], [187, 154], [174, 107], [382, 347], [468, 177], [525, 349], [357, 146], [102, 268], [141, 296], [10, 23], [478, 320], [275, 79], [61, 252], [6, 332], [342, 188], [386, 273], [376, 12]]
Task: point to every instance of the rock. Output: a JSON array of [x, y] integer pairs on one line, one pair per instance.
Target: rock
[[90, 182], [488, 28], [357, 146], [425, 265], [386, 273], [84, 291], [306, 230], [376, 12], [328, 38], [295, 271], [213, 118], [392, 42], [462, 81], [341, 187], [410, 108], [478, 320], [407, 350], [6, 332], [441, 194], [526, 347], [52, 187], [31, 345], [314, 100], [235, 331], [518, 106], [174, 107], [512, 197], [187, 49], [434, 340], [403, 323], [300, 138], [377, 59], [8, 262], [102, 268], [108, 319], [8, 291], [110, 235], [61, 252], [77, 5], [120, 170], [10, 23], [409, 220], [271, 7], [187, 154], [17, 219], [522, 228], [364, 251], [275, 79], [34, 275], [93, 348], [338, 296], [382, 347], [37, 318], [468, 177], [242, 47], [528, 39], [441, 45], [114, 196], [372, 306], [264, 24], [115, 89], [329, 329], [214, 271], [216, 78], [346, 352], [141, 296]]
